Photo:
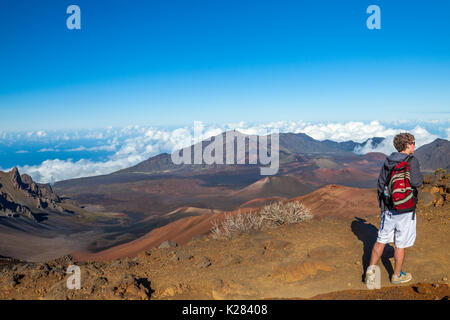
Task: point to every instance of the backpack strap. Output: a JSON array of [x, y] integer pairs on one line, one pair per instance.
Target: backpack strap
[[385, 200], [409, 157]]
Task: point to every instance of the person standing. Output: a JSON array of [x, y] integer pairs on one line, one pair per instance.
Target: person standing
[[399, 179]]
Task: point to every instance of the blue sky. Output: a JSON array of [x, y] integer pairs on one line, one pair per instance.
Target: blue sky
[[161, 63]]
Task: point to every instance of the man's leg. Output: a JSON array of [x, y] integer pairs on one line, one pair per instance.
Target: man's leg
[[404, 237], [385, 235], [377, 251], [399, 256], [371, 273]]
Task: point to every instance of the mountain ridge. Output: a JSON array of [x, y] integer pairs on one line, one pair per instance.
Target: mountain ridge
[[434, 155]]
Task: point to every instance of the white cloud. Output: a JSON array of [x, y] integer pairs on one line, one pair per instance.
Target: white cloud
[[56, 170], [129, 152], [111, 147], [356, 131], [80, 148], [48, 150], [38, 134], [41, 133], [421, 136]]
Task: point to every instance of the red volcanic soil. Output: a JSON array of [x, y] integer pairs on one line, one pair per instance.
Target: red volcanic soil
[[192, 211], [281, 186], [182, 212], [340, 201], [343, 175], [181, 231], [331, 200], [374, 156], [259, 202]]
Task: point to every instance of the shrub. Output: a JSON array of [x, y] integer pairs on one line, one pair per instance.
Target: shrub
[[272, 215], [279, 213], [236, 224]]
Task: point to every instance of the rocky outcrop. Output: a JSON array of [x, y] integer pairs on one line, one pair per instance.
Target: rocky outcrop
[[15, 178], [9, 208], [44, 191], [21, 196], [435, 190]]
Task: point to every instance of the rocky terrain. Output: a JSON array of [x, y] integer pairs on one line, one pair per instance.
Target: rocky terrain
[[36, 224], [322, 258], [435, 190], [21, 196]]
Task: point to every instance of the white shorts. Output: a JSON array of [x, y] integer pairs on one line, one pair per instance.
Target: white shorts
[[400, 228]]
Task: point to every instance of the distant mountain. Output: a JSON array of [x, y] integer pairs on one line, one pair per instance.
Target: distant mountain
[[302, 143], [434, 155], [157, 186], [351, 145], [292, 145]]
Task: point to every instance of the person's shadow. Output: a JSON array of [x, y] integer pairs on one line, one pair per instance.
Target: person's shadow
[[367, 233]]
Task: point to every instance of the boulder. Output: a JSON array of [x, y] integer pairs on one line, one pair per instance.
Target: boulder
[[204, 262], [182, 255], [131, 287], [167, 244]]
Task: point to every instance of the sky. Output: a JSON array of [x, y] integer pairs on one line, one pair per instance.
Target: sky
[[170, 63], [133, 80]]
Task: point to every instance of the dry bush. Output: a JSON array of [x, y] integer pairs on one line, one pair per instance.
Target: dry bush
[[236, 224], [278, 213], [272, 215]]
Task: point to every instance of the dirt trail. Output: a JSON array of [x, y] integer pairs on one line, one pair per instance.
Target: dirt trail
[[303, 260]]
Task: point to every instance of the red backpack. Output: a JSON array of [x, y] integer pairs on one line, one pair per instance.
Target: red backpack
[[401, 193]]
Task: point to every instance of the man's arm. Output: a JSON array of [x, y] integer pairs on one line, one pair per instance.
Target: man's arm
[[416, 175]]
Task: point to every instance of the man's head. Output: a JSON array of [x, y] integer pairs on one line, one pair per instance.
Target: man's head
[[404, 142]]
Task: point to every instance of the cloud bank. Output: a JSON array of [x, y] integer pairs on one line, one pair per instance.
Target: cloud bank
[[132, 144]]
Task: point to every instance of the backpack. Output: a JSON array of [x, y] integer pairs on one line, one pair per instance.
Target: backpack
[[400, 193]]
